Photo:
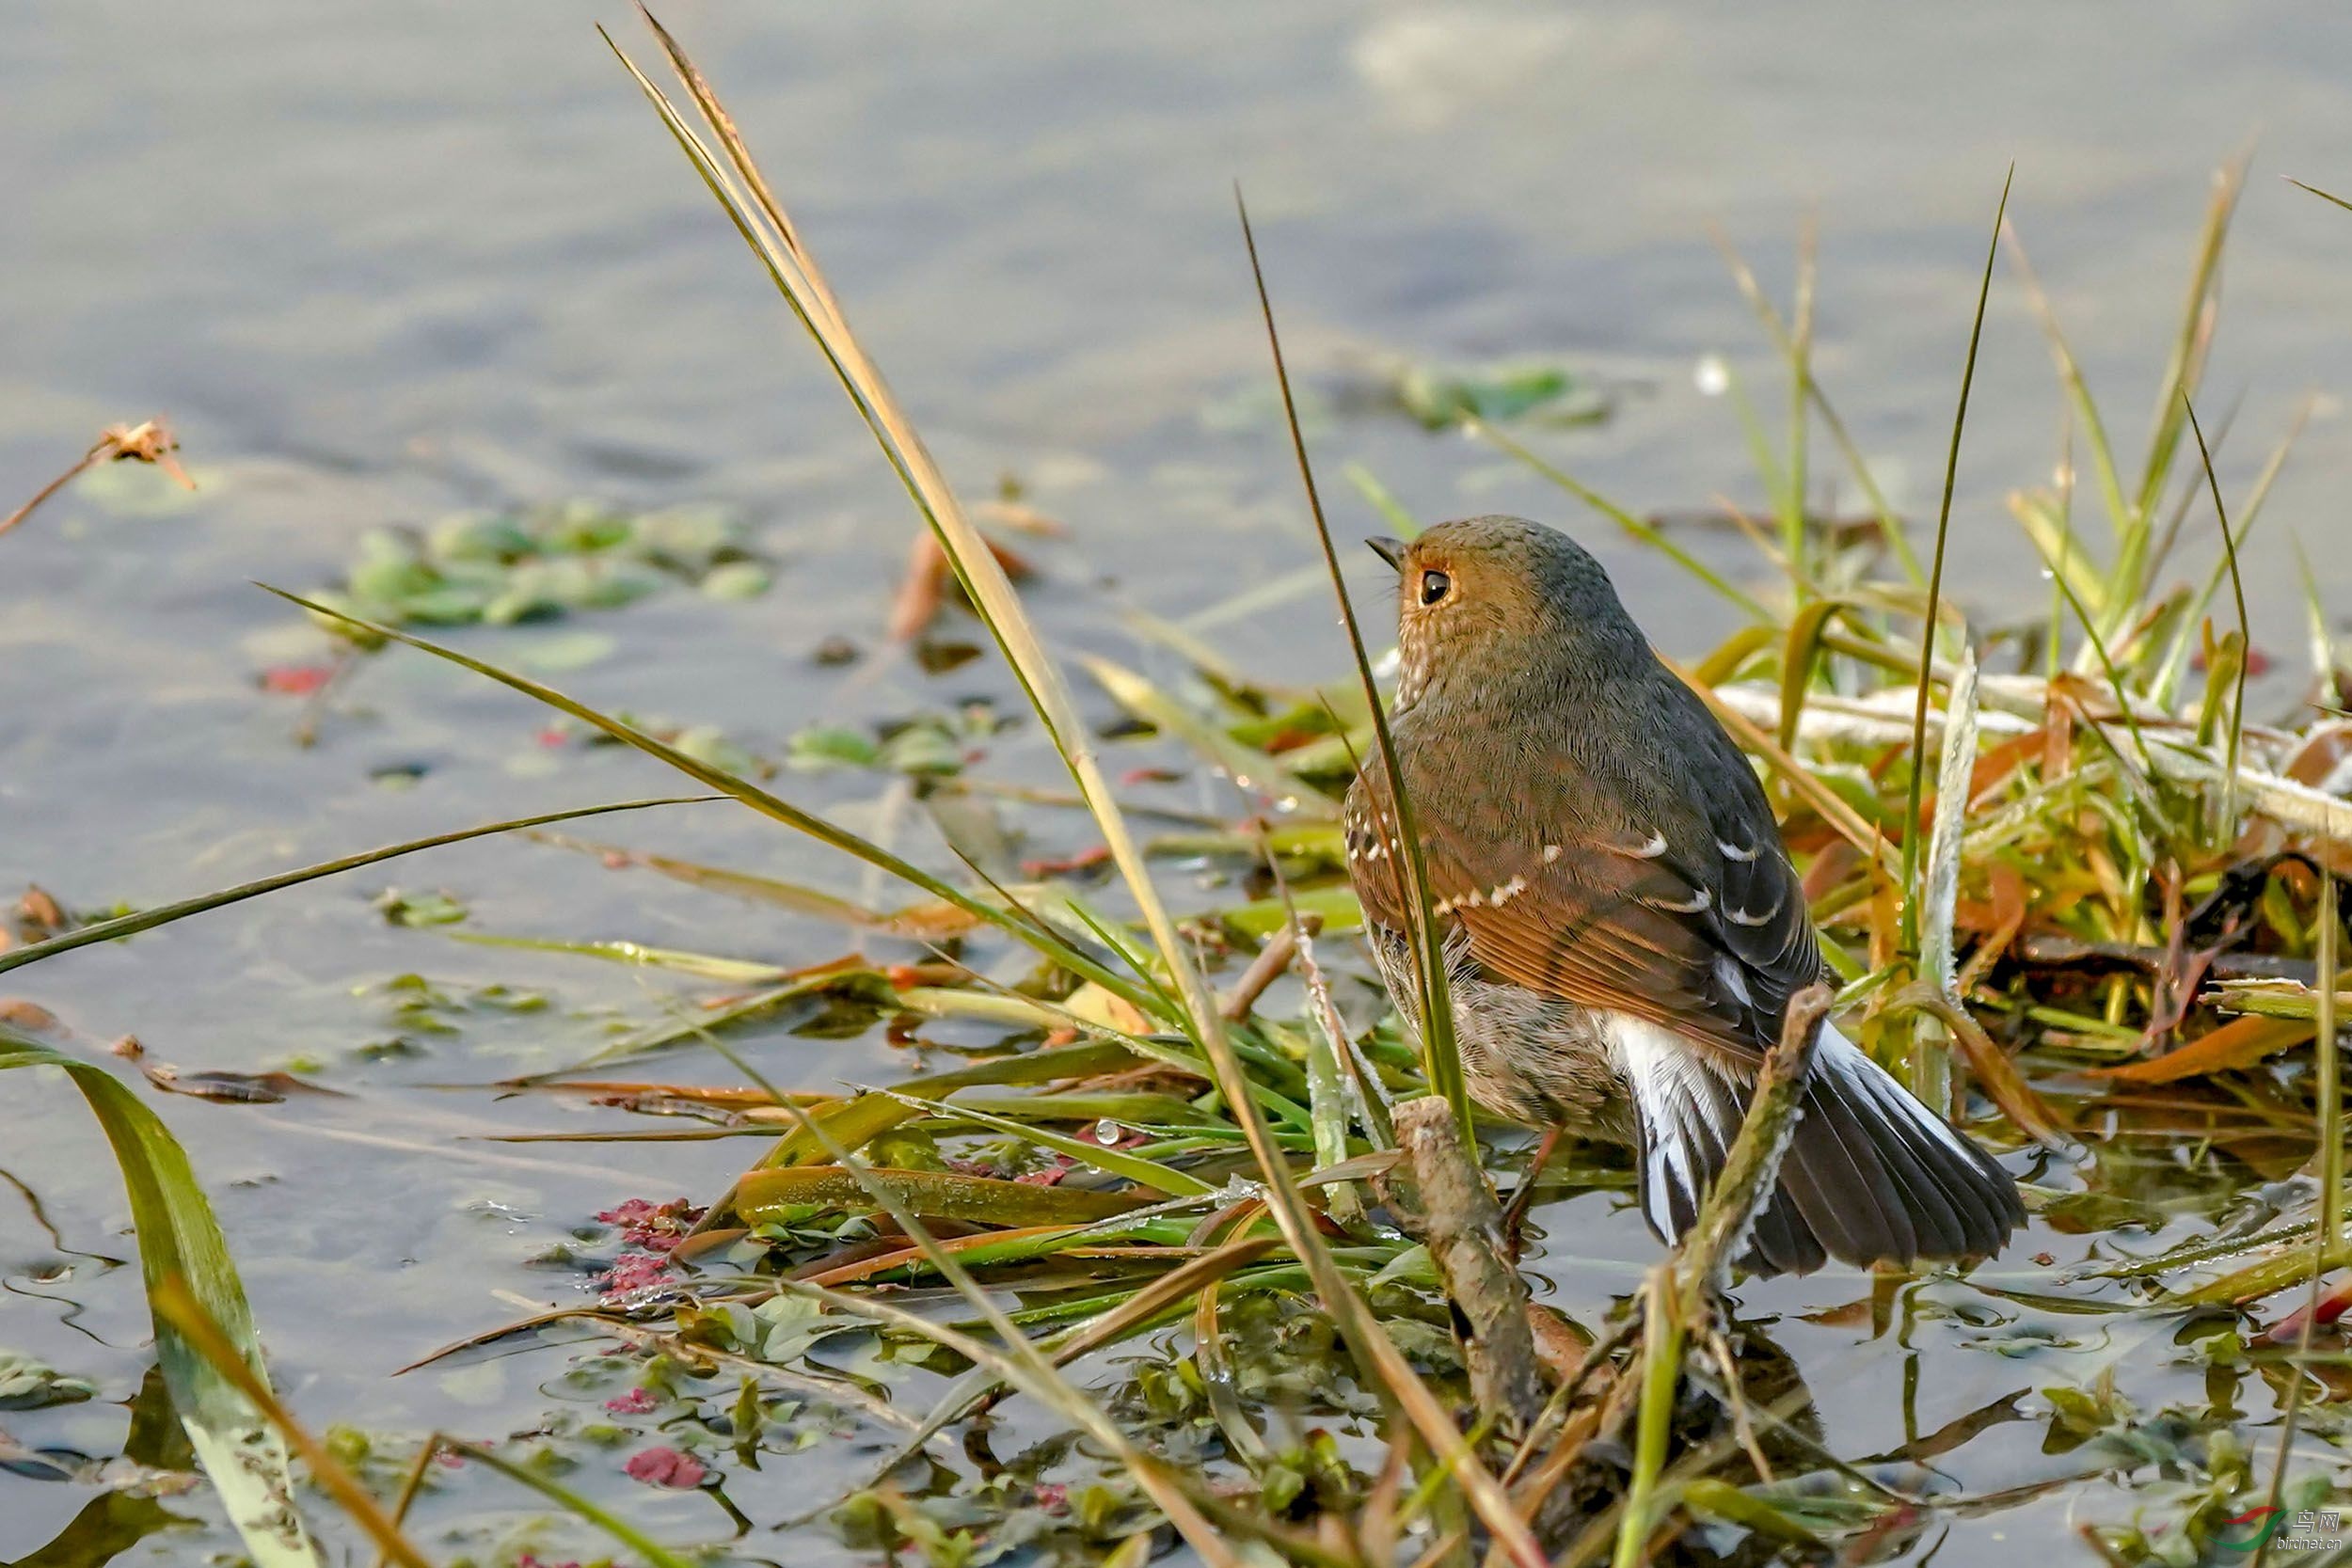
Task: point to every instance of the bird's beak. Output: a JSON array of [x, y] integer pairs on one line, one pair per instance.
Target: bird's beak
[[1390, 550]]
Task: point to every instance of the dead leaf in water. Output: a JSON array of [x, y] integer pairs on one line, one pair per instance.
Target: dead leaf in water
[[232, 1088], [1094, 1005], [923, 591], [2239, 1043], [31, 1017]]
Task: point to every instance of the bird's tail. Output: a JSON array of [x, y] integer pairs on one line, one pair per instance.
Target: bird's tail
[[1870, 1173]]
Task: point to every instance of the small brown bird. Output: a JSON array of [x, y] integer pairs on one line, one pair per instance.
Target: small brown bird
[[1622, 927]]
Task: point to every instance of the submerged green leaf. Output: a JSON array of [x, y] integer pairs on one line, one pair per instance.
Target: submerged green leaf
[[27, 1385], [537, 562], [1441, 398]]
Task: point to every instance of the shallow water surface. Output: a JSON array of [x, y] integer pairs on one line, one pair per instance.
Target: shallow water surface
[[382, 265]]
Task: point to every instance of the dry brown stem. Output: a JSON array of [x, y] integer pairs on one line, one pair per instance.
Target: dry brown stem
[[1447, 1207], [150, 441]]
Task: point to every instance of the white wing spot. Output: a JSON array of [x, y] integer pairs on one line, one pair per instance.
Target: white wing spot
[[1697, 905], [1655, 847], [1508, 891], [1741, 917], [1732, 851], [1551, 852]]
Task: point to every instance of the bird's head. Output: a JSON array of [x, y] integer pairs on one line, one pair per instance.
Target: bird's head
[[1488, 599]]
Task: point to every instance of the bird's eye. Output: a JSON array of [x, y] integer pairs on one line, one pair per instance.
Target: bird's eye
[[1435, 586]]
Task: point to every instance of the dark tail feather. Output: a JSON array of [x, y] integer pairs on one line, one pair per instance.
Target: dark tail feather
[[1879, 1177], [1871, 1175]]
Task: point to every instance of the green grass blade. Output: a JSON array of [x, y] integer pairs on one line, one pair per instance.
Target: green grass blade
[[179, 1239], [1662, 1370], [2330, 1072], [759, 799], [918, 923], [797, 276], [2228, 826], [1391, 510], [696, 1026], [1441, 1059], [1890, 526], [1374, 1351], [2050, 527], [2178, 518], [2317, 192], [2176, 656], [1149, 1173], [805, 290], [1801, 656], [2185, 369], [1792, 530], [2080, 404], [1759, 446], [1911, 891], [572, 1502], [2318, 636], [1252, 771], [163, 914], [2097, 647], [703, 966]]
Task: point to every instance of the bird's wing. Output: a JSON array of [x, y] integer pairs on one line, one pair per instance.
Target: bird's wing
[[1686, 914]]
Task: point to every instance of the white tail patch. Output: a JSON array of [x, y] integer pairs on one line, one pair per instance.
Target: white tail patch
[[1688, 1110], [1864, 1172], [1688, 1113]]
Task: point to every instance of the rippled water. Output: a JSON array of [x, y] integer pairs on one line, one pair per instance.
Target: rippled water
[[382, 263]]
